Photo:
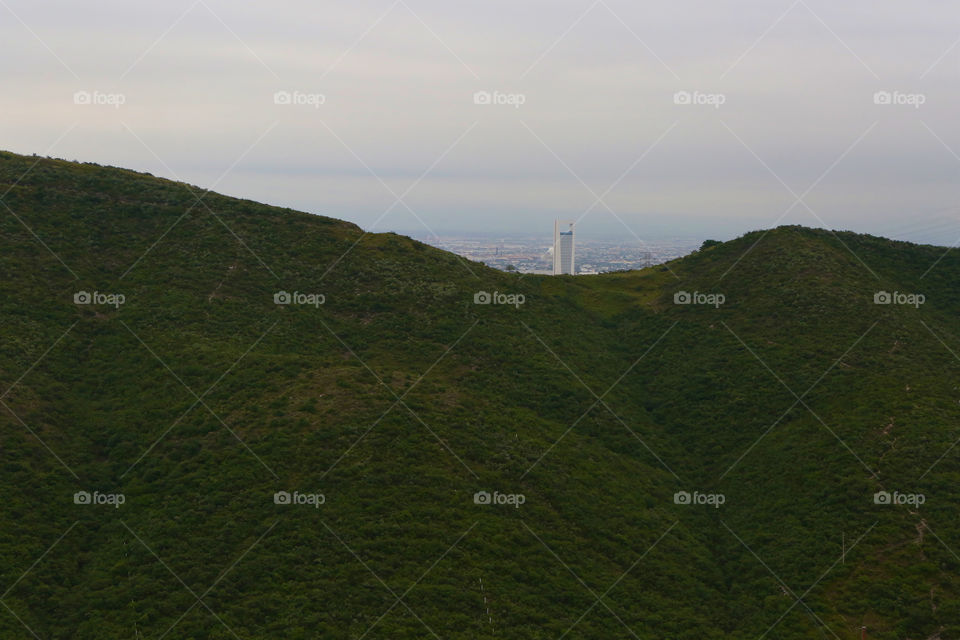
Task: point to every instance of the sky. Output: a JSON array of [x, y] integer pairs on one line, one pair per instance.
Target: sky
[[637, 119]]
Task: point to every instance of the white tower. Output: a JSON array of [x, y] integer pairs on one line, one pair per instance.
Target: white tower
[[563, 247]]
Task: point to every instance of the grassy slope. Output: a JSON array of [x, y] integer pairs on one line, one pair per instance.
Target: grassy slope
[[313, 403]]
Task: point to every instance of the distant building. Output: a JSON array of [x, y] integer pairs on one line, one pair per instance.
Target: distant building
[[563, 247]]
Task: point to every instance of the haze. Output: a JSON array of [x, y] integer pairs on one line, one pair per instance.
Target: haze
[[389, 134]]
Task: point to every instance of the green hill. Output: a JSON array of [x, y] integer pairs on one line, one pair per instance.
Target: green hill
[[148, 435]]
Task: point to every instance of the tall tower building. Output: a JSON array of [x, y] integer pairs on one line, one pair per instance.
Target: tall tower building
[[563, 247]]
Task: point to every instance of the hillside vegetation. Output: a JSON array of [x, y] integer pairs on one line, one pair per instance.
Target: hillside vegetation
[[384, 400]]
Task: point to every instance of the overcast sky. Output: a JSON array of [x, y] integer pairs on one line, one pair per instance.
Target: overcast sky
[[383, 126]]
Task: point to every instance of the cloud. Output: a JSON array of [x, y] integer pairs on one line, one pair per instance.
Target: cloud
[[398, 111]]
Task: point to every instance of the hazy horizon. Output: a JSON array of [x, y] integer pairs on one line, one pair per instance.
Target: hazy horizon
[[600, 234], [638, 120]]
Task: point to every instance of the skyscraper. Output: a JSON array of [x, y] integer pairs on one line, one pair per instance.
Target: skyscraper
[[563, 247]]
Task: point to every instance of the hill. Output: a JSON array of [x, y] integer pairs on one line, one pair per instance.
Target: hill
[[228, 420]]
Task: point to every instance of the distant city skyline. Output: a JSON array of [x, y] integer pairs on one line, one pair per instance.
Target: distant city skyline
[[533, 253]]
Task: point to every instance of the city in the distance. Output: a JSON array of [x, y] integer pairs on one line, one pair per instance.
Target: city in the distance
[[535, 253]]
